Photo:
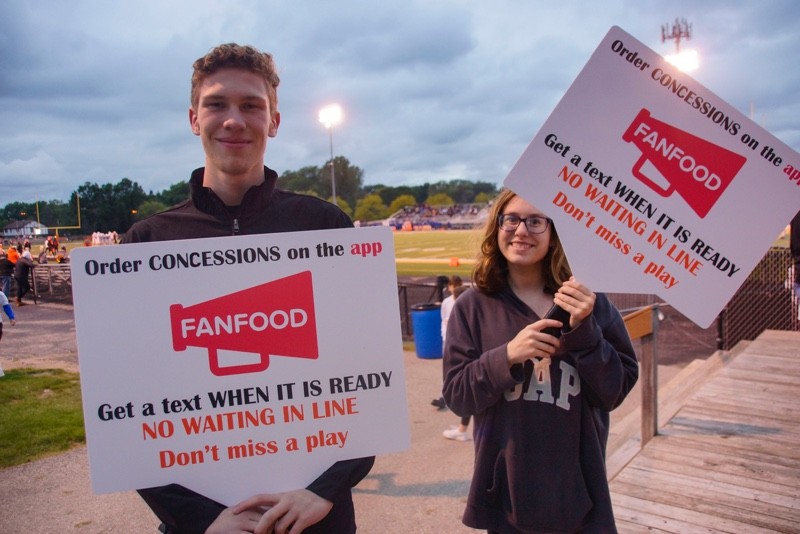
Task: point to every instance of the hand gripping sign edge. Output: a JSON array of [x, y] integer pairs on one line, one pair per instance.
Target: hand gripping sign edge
[[699, 170], [275, 318]]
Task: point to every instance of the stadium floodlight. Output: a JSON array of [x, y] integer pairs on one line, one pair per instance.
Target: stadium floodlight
[[330, 116], [686, 60]]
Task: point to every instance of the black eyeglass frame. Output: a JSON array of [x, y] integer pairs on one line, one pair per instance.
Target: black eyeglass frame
[[501, 218]]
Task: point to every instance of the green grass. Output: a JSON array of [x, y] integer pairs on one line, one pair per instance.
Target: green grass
[[40, 411], [429, 253]]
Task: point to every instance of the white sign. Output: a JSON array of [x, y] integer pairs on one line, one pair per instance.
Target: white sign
[[655, 184], [236, 366]]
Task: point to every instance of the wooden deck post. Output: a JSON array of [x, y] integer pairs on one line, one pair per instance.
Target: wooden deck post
[[643, 324]]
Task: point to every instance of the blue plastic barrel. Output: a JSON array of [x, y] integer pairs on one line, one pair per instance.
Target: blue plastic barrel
[[426, 320]]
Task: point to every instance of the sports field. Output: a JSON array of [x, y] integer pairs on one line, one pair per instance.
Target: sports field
[[435, 252]]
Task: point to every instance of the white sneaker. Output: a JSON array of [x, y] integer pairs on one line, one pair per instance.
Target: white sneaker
[[455, 434]]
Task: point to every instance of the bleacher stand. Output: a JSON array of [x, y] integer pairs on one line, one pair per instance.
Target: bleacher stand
[[424, 217]]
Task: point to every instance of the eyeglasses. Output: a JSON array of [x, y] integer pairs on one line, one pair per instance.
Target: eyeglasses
[[536, 224]]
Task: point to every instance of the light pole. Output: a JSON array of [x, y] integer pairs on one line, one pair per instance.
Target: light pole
[[330, 116]]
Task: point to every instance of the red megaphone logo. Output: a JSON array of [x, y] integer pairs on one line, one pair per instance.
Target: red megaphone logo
[[699, 170], [276, 318]]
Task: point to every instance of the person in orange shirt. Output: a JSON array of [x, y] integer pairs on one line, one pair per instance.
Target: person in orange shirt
[[13, 254]]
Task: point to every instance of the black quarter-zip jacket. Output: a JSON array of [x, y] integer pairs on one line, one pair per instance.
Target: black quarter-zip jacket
[[264, 209]]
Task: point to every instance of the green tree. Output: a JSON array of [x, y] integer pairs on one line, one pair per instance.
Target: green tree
[[439, 199], [307, 179], [389, 193], [349, 179], [110, 206], [370, 208], [343, 205], [56, 213], [150, 207], [483, 198], [401, 202], [175, 194], [19, 211]]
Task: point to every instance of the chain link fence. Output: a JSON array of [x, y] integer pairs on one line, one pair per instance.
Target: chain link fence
[[766, 301]]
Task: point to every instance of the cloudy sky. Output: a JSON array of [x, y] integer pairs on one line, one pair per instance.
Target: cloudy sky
[[96, 91]]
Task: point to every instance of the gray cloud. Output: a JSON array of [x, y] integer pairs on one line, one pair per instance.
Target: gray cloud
[[98, 91]]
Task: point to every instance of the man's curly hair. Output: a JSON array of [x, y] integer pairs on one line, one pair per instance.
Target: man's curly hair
[[234, 56]]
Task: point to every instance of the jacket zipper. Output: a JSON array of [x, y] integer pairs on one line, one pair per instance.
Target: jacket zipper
[[236, 226]]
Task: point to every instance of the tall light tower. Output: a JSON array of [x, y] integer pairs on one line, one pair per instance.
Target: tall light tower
[[330, 116], [681, 29], [687, 60]]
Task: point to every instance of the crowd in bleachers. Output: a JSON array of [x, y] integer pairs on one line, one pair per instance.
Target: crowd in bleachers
[[424, 217]]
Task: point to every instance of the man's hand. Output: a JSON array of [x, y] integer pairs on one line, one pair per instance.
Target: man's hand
[[229, 522], [288, 513]]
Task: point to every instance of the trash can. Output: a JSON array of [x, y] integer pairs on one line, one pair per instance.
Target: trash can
[[426, 320]]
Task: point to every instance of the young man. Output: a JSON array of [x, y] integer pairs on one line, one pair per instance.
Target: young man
[[234, 110]]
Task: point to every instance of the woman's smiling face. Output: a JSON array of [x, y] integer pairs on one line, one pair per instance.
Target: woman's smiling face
[[521, 247]]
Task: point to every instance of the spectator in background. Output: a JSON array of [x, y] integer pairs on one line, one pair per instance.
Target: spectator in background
[[9, 312], [446, 307], [6, 273], [13, 254], [22, 271], [63, 255], [459, 432]]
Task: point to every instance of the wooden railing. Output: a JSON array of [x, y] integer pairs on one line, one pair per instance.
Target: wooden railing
[[643, 324], [54, 279]]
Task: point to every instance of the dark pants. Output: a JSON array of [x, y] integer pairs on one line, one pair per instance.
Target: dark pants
[[5, 285], [23, 286]]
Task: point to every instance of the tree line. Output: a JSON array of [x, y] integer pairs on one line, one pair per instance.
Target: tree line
[[116, 207]]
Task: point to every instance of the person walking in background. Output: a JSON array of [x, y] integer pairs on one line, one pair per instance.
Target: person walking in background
[[22, 271], [540, 402], [453, 283], [444, 309], [6, 274], [457, 432], [234, 110]]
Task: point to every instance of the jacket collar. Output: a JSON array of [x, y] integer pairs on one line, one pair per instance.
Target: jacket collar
[[256, 198]]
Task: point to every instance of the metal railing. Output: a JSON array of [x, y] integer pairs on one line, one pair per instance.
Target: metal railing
[[766, 300]]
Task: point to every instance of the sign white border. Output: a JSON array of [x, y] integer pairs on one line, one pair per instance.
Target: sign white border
[[148, 407]]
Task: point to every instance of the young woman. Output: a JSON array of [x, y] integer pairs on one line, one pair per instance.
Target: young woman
[[540, 402]]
